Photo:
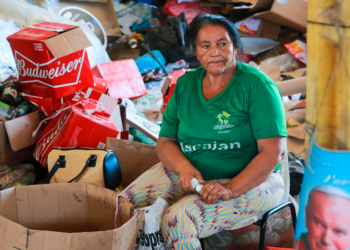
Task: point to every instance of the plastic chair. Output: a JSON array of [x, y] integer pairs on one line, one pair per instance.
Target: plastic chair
[[261, 220]]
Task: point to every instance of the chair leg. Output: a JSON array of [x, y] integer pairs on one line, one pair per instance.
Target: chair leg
[[267, 216], [202, 243]]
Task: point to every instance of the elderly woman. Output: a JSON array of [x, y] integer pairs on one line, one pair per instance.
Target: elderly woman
[[225, 126]]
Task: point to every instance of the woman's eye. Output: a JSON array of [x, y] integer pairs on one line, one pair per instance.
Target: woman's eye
[[205, 46], [223, 44]]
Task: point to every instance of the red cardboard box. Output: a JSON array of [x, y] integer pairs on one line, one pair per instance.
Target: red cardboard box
[[73, 128], [51, 59], [48, 105], [124, 78]]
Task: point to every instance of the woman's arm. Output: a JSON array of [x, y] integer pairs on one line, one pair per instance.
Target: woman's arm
[[170, 154], [271, 152]]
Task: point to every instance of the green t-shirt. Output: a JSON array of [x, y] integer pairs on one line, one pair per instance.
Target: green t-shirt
[[219, 135]]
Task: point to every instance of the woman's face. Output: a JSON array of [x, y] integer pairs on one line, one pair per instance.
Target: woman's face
[[215, 50]]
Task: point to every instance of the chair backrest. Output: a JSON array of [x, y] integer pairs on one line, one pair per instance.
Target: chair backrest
[[284, 171]]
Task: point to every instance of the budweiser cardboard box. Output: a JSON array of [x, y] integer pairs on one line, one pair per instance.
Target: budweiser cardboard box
[[66, 216], [48, 105], [51, 59], [123, 77], [134, 158], [112, 107], [74, 127]]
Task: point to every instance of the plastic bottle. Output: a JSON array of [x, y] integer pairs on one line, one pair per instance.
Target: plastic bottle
[[197, 186]]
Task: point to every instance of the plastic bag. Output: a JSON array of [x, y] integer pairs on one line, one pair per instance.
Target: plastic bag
[[150, 235], [297, 49], [7, 62]]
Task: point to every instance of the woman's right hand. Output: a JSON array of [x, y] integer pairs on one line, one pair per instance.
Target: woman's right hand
[[186, 175]]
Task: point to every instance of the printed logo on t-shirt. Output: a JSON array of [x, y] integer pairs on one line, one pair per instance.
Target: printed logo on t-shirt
[[223, 124], [209, 146]]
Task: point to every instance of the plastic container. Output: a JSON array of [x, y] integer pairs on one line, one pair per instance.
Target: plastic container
[[146, 63]]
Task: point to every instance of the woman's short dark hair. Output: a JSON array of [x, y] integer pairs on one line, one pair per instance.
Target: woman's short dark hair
[[202, 20]]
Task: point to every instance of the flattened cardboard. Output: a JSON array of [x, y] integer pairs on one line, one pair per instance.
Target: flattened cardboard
[[294, 86], [67, 42], [272, 70], [84, 214], [20, 130], [134, 158]]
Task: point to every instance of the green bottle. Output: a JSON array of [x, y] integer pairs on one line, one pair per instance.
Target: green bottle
[[23, 109]]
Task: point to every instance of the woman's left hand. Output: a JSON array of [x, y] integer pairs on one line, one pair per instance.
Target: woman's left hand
[[213, 191]]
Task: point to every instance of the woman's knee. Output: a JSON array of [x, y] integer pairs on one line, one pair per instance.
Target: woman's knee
[[179, 218]]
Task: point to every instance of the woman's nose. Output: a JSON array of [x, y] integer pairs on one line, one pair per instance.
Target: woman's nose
[[214, 51]]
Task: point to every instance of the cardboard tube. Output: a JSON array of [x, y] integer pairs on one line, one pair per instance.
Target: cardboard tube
[[294, 86]]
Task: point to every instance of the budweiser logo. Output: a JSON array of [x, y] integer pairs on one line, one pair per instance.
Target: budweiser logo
[[45, 142], [32, 34], [30, 71]]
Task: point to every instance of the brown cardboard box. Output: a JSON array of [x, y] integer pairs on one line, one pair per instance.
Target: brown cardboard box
[[288, 13], [266, 29], [7, 155], [16, 138], [296, 146], [134, 158], [65, 216]]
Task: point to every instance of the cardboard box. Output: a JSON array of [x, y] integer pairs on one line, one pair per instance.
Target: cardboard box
[[134, 158], [296, 146], [51, 59], [7, 155], [288, 13], [19, 130], [66, 216], [112, 107], [265, 29], [16, 138]]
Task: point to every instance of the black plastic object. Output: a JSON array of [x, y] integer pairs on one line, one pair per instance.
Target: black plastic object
[[111, 171]]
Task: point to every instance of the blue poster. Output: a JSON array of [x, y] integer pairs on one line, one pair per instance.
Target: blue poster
[[324, 214]]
